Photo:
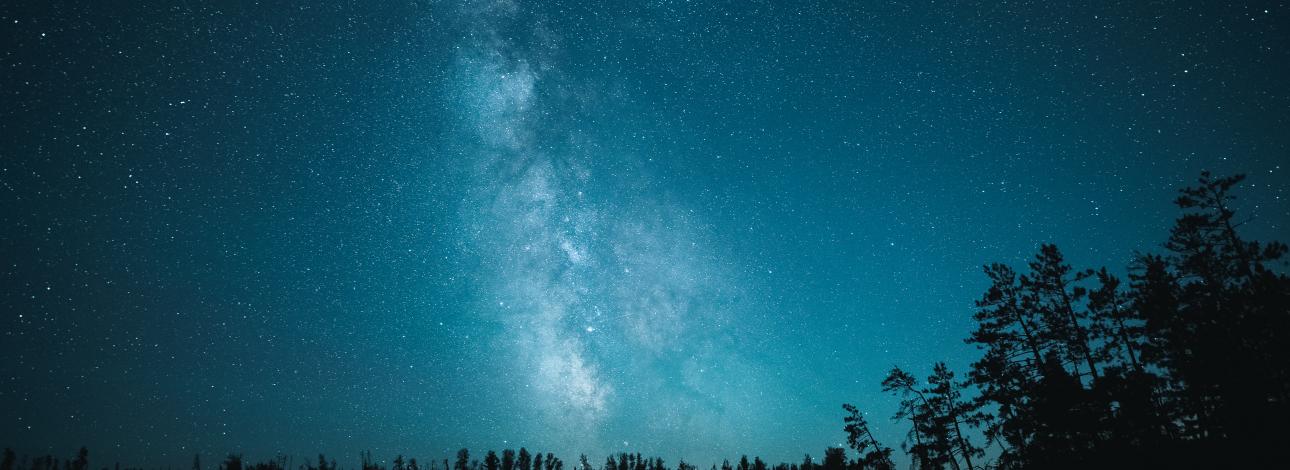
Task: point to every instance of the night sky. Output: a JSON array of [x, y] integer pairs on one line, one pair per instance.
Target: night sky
[[686, 229]]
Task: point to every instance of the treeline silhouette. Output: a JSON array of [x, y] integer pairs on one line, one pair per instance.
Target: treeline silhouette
[[834, 459], [1185, 366]]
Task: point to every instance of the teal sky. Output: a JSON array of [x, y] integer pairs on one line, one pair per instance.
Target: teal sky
[[685, 229]]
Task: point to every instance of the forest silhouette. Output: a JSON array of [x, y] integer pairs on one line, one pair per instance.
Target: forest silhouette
[[1187, 365]]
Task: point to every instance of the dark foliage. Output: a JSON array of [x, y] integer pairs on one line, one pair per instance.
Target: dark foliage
[[859, 437], [1189, 366]]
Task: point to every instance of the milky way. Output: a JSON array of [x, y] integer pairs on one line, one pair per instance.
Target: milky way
[[610, 295], [685, 229]]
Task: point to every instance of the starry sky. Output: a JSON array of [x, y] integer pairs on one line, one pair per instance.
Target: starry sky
[[686, 229]]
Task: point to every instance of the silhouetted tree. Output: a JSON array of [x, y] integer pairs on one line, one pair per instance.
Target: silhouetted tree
[[1009, 368], [232, 462], [1051, 292], [463, 460], [1137, 417], [1113, 324], [870, 453], [1031, 327], [508, 459], [835, 458], [945, 400], [924, 431], [1225, 343], [524, 460]]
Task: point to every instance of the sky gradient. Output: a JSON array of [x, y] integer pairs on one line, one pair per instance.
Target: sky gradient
[[685, 229]]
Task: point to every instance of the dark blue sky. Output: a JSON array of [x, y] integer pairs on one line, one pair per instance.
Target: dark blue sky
[[686, 229]]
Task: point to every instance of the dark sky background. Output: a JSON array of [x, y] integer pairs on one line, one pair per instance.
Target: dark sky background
[[686, 229]]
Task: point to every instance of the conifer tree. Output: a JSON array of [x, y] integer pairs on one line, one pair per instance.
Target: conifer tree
[[1051, 291], [835, 458], [508, 459], [945, 400], [870, 453], [524, 460], [928, 438], [463, 460]]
